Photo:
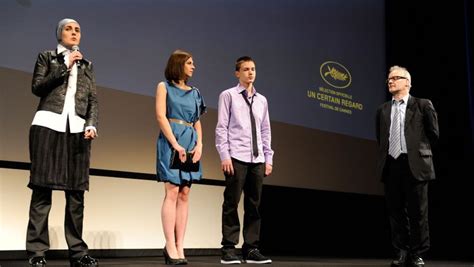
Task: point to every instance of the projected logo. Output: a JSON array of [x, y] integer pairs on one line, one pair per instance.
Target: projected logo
[[335, 74], [335, 99]]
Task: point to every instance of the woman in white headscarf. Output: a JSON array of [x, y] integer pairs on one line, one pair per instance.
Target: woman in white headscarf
[[60, 141]]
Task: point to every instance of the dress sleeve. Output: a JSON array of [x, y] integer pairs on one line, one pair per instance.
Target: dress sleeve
[[202, 108]]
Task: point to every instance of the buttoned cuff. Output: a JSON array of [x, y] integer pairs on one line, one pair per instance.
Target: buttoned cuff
[[91, 128]]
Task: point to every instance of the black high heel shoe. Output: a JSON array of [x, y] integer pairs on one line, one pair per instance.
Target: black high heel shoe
[[169, 260], [184, 261]]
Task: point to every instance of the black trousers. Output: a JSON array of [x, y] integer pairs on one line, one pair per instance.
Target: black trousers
[[37, 236], [407, 203], [248, 177]]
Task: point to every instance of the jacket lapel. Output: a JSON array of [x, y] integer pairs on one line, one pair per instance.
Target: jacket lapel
[[58, 57], [386, 114], [409, 111]]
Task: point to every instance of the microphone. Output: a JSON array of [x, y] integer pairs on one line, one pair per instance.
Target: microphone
[[76, 48]]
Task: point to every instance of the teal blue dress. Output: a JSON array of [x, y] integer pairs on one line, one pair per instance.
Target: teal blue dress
[[188, 106]]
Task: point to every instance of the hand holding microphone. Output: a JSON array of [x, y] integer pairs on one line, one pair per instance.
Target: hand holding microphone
[[75, 57]]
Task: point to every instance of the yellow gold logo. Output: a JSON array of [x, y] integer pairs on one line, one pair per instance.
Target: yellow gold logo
[[335, 74]]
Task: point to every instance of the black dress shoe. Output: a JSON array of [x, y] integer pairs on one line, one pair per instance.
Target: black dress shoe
[[37, 262], [85, 261], [400, 260], [416, 261]]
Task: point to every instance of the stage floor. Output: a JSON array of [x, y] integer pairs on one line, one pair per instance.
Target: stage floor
[[215, 261]]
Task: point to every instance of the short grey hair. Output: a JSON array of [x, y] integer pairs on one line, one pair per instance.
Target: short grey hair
[[61, 24], [407, 74]]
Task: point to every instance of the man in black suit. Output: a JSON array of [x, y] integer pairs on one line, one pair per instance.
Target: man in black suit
[[406, 129]]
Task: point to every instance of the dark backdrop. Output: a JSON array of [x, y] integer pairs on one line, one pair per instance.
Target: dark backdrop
[[434, 41]]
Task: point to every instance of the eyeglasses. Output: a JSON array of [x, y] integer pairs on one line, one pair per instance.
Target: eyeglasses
[[395, 78]]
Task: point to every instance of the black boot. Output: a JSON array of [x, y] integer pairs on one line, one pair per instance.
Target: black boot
[[37, 262], [85, 261]]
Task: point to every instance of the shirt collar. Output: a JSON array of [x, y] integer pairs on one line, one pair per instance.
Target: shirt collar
[[405, 99], [61, 49], [240, 89]]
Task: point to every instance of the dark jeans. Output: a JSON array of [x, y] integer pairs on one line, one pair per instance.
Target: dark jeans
[[248, 177], [37, 236], [407, 203]]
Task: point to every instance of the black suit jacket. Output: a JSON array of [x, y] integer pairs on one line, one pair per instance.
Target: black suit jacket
[[421, 135]]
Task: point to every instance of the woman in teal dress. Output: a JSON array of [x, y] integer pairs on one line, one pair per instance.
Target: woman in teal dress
[[178, 110]]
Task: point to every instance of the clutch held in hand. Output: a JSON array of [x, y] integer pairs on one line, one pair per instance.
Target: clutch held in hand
[[187, 166]]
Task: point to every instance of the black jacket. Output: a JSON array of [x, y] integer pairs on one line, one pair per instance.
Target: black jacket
[[421, 134], [50, 80]]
